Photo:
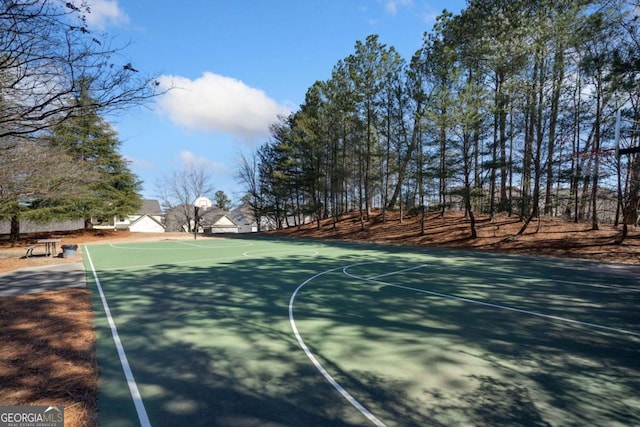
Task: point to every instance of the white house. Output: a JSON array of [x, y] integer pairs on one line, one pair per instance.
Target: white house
[[146, 224], [148, 219], [247, 223], [243, 217], [216, 220], [210, 221], [218, 223]]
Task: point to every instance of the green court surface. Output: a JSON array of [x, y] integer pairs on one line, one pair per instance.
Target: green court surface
[[265, 332]]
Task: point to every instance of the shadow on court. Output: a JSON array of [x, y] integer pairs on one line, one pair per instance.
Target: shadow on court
[[213, 345]]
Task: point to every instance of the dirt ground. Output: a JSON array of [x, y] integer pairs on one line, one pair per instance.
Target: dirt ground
[[546, 237], [47, 340]]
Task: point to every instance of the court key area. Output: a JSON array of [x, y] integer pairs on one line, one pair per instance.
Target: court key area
[[263, 332]]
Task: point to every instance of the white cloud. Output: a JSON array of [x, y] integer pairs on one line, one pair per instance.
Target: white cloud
[[104, 13], [189, 160], [421, 9], [392, 5], [215, 103]]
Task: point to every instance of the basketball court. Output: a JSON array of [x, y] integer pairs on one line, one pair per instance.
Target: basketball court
[[245, 331]]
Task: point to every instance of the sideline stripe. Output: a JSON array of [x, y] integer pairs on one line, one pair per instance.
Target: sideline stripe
[[352, 400], [179, 246], [506, 307], [518, 276], [488, 304], [133, 387]]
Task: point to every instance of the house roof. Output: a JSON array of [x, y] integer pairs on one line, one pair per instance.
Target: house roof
[[150, 207], [214, 217], [243, 214], [145, 217]]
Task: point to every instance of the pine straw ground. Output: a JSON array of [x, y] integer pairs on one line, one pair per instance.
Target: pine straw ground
[[546, 237], [47, 340]]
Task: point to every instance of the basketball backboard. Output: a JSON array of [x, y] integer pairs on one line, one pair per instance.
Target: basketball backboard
[[202, 202]]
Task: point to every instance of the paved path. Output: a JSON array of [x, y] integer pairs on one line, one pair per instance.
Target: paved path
[[42, 278]]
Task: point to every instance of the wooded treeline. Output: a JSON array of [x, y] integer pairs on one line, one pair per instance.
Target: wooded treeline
[[509, 106]]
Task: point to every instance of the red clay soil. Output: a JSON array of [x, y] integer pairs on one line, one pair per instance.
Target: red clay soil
[[47, 340], [546, 237]]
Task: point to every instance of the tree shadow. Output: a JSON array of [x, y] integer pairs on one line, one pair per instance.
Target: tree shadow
[[214, 345]]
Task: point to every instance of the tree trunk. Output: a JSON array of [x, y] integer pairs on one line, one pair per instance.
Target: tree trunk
[[497, 135], [406, 159], [468, 208], [443, 168], [576, 163], [535, 132], [503, 146], [558, 76], [630, 206], [14, 233], [596, 171], [472, 222], [421, 183]]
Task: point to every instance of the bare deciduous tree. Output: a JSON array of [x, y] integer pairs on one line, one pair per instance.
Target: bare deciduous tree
[[48, 58], [181, 188], [47, 54], [248, 176]]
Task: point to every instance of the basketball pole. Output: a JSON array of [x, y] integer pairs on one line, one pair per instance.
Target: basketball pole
[[195, 222], [201, 203]]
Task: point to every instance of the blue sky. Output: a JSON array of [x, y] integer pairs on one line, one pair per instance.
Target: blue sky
[[235, 65]]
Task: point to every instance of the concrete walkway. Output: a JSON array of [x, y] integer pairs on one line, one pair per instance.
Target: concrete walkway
[[43, 278]]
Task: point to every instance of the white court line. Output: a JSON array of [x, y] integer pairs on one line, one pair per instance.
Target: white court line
[[180, 245], [569, 282], [518, 276], [198, 260], [143, 266], [196, 245], [131, 382], [261, 252], [487, 304], [404, 270], [352, 400]]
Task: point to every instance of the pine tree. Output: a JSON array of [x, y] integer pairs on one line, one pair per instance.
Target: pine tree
[[91, 140], [222, 201]]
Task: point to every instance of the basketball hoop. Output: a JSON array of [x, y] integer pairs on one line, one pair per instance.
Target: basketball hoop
[[200, 204]]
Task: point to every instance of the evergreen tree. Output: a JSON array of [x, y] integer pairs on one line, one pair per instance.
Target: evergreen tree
[[222, 201], [38, 182], [91, 141], [506, 107]]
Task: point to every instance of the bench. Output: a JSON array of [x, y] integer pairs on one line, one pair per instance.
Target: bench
[[30, 250], [49, 246]]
